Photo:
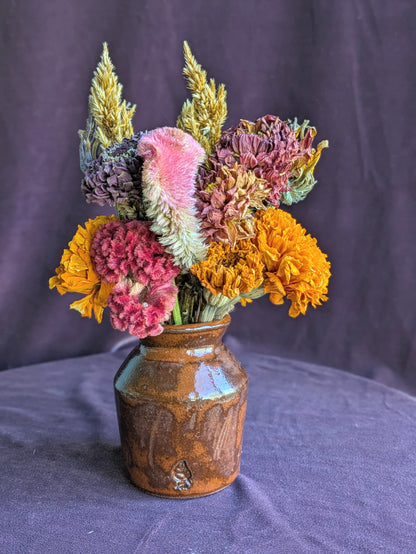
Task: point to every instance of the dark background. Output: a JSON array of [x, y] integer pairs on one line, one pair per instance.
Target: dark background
[[348, 66]]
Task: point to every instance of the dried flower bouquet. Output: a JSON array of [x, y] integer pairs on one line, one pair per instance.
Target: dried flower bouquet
[[198, 227]]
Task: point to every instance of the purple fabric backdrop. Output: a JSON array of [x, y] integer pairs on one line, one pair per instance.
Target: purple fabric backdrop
[[346, 66]]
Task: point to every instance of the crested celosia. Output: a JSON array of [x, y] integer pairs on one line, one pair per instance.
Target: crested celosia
[[230, 271], [76, 272], [171, 160], [128, 254], [141, 308], [267, 146], [226, 200], [295, 267], [130, 249]]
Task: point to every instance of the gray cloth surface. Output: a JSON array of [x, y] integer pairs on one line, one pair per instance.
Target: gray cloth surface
[[328, 465]]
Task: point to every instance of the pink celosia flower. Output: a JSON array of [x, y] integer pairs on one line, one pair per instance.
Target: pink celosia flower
[[127, 253], [130, 248], [171, 161], [139, 308]]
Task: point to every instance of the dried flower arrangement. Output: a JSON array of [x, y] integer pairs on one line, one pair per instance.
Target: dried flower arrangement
[[198, 227]]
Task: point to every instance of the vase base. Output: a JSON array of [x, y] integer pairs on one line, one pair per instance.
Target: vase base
[[186, 496]]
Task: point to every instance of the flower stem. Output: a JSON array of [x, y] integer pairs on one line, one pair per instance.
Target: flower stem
[[176, 312]]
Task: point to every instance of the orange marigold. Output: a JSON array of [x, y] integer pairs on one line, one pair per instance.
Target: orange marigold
[[295, 266], [230, 271], [77, 274]]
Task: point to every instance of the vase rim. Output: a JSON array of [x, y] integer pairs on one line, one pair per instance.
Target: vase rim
[[198, 327]]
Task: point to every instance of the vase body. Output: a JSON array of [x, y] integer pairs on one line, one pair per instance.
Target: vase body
[[181, 400]]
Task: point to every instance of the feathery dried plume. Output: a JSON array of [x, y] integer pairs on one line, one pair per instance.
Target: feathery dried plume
[[111, 115], [170, 164], [204, 115]]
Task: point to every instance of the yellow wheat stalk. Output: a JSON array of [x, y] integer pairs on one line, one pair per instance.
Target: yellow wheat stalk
[[204, 115], [112, 115]]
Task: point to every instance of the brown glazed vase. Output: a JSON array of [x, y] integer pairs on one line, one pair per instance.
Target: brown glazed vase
[[181, 401]]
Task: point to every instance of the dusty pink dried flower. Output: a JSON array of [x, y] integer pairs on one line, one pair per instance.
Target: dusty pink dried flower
[[226, 201], [127, 253], [141, 308], [130, 248], [267, 146]]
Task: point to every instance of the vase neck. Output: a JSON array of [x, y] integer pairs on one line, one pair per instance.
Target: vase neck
[[196, 335]]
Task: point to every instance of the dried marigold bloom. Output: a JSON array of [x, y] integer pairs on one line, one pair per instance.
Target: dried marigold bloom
[[230, 270], [295, 267], [76, 272]]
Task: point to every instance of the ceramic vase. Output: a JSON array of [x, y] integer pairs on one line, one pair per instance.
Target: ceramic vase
[[181, 401]]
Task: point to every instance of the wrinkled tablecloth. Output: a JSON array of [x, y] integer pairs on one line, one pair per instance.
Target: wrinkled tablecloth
[[328, 465]]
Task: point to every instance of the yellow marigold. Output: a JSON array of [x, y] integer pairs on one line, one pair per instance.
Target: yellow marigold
[[295, 266], [77, 274], [230, 271]]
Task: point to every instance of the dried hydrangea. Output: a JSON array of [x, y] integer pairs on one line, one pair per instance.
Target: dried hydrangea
[[114, 178], [267, 146]]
